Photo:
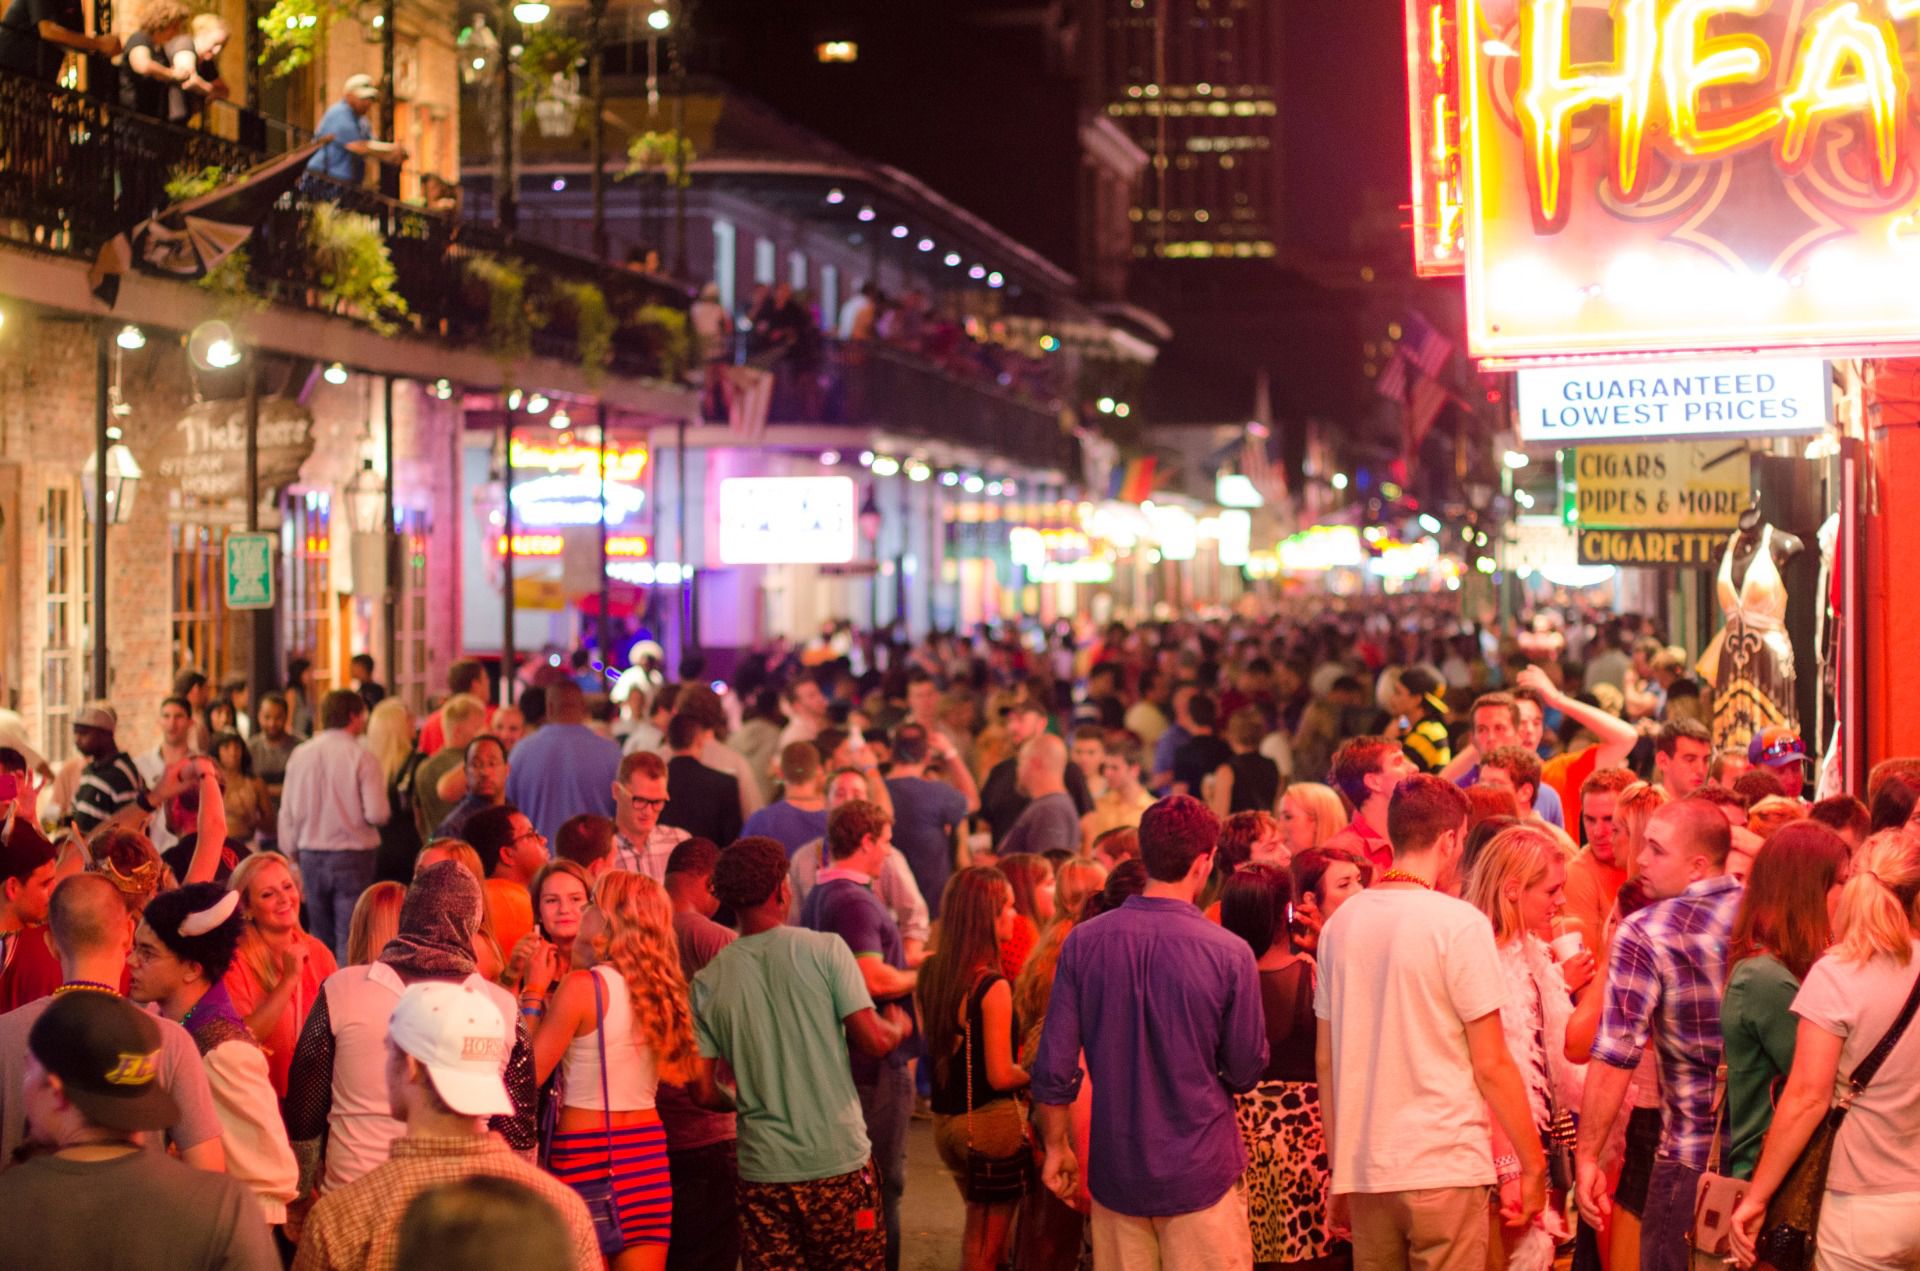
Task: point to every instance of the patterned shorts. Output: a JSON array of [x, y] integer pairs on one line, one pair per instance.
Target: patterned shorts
[[823, 1224]]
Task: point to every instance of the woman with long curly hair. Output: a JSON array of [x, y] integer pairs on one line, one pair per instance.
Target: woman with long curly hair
[[618, 1026], [277, 972], [966, 1007]]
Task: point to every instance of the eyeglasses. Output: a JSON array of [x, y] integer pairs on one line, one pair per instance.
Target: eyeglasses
[[641, 804], [534, 836]]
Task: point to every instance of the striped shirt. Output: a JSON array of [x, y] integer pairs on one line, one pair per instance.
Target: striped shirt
[[105, 787], [1663, 981], [1427, 745]]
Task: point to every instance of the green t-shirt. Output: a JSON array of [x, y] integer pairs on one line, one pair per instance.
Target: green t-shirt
[[772, 1006], [1757, 1020]]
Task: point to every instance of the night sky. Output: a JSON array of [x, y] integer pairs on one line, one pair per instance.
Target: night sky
[[967, 95]]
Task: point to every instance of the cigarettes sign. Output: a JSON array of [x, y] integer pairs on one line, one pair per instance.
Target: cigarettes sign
[[1643, 401]]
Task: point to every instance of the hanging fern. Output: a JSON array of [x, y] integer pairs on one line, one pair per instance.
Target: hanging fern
[[351, 261], [290, 33], [669, 153], [593, 325], [511, 321]]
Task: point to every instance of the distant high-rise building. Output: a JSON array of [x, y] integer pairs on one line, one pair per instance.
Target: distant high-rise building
[[1195, 84]]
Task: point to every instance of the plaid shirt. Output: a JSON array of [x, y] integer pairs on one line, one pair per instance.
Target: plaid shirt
[[1669, 961], [357, 1227], [649, 858]]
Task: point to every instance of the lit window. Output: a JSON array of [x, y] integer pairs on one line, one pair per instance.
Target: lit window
[[837, 51]]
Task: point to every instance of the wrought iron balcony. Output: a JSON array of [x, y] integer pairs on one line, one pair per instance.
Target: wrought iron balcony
[[76, 170]]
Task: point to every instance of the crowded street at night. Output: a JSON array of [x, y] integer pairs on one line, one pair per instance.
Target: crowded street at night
[[845, 635]]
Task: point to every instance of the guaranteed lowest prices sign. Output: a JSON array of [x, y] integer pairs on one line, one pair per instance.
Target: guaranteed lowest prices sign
[[1565, 405], [1668, 503], [1656, 175]]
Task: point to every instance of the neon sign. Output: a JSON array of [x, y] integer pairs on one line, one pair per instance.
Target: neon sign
[[1433, 125], [1681, 176], [574, 499], [622, 464], [624, 545]]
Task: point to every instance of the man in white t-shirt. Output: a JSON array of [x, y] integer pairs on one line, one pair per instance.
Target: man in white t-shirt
[[1411, 1056]]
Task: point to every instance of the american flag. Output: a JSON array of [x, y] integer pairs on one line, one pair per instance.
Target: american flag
[[1392, 380], [1423, 345], [1258, 467], [1422, 409]]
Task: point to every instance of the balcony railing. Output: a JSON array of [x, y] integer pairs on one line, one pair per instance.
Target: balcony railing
[[76, 170], [876, 385]]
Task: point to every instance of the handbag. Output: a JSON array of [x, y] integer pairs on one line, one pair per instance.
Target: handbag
[[990, 1180], [600, 1194], [1717, 1195], [1793, 1214], [1557, 1141]]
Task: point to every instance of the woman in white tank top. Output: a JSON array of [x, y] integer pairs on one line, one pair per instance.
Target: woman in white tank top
[[626, 1001]]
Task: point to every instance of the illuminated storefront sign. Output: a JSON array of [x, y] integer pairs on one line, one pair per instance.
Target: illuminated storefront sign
[[786, 520], [1562, 405], [1694, 549], [574, 499], [1650, 176], [1433, 125], [623, 463], [619, 545], [1674, 485], [1322, 547]]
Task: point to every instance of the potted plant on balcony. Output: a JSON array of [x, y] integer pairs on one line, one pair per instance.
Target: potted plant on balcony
[[356, 274], [550, 64], [511, 317], [593, 324], [668, 343], [668, 153], [292, 30]]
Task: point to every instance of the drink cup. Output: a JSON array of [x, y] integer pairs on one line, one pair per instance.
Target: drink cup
[[1567, 945]]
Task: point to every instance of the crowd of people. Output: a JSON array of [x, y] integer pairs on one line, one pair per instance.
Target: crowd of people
[[1362, 937]]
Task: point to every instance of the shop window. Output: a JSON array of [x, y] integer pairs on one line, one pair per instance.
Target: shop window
[[68, 582], [765, 261], [829, 296], [724, 246], [203, 629], [409, 677], [306, 545], [797, 270]]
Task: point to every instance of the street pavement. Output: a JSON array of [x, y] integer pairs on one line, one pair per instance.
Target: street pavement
[[931, 1214]]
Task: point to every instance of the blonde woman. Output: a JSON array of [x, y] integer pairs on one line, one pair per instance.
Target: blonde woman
[[1309, 815], [277, 972], [617, 1027], [1849, 1002], [376, 920], [390, 738], [1519, 881]]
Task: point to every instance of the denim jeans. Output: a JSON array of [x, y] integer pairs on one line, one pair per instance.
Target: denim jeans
[[887, 1105], [706, 1208], [333, 882], [1669, 1212]]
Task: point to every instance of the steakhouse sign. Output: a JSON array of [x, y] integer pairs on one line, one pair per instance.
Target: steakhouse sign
[[1662, 176]]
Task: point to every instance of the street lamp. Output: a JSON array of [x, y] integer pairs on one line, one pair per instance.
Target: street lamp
[[123, 480], [365, 495]]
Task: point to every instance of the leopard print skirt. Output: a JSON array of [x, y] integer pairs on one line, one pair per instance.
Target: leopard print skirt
[[1287, 1170]]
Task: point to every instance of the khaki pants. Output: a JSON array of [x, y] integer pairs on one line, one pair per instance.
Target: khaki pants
[[1438, 1229], [1212, 1239]]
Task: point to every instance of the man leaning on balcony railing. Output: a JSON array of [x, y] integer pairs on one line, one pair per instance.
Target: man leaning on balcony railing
[[37, 35], [349, 136]]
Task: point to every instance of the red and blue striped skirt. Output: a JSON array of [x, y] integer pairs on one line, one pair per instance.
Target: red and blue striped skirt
[[642, 1191]]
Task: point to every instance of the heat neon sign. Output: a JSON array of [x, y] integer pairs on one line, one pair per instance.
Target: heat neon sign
[[1661, 176]]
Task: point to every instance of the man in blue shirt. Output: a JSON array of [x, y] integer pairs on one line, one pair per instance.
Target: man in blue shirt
[[1166, 1007], [800, 816], [349, 135], [565, 768], [927, 812]]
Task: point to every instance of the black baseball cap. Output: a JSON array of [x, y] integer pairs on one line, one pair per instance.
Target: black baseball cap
[[106, 1052]]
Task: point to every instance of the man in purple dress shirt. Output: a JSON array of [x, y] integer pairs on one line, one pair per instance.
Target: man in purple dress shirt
[[1166, 1007]]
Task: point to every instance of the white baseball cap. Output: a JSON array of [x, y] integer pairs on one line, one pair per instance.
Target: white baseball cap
[[361, 86], [461, 1039]]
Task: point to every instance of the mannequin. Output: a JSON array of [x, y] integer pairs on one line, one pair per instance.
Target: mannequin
[[1750, 662]]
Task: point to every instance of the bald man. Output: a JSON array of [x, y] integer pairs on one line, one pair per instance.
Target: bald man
[[92, 933], [1664, 978], [1052, 819]]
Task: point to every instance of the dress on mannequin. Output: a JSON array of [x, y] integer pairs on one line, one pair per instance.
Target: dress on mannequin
[[1750, 662]]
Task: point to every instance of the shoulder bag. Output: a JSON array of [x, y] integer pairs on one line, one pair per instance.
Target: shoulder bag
[[600, 1194], [1793, 1215], [1717, 1195], [991, 1180]]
